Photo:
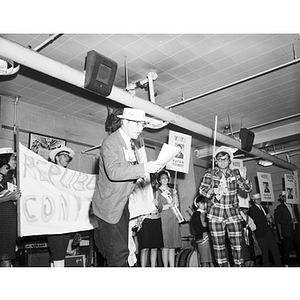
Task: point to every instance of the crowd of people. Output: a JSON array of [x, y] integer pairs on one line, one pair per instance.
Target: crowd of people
[[224, 234]]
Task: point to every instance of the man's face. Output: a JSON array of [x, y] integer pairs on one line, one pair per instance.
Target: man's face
[[12, 162], [63, 158], [223, 161], [133, 128], [257, 201]]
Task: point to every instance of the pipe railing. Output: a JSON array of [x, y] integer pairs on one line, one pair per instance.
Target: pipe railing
[[235, 83], [34, 60]]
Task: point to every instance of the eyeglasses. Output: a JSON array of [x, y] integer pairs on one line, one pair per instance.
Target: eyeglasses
[[139, 123], [65, 155], [223, 160]]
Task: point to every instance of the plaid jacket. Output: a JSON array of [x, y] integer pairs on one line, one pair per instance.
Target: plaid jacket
[[227, 207]]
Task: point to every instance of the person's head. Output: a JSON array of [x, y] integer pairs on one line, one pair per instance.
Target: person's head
[[256, 199], [199, 202], [61, 156], [163, 177], [282, 197], [7, 159], [223, 157], [133, 122]]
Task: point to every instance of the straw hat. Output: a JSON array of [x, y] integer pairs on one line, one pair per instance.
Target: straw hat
[[133, 114], [225, 149], [6, 151], [255, 196], [55, 151]]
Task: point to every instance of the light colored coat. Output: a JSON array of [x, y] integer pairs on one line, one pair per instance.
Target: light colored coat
[[117, 179]]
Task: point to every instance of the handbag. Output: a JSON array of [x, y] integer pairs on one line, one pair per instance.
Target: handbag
[[257, 249]]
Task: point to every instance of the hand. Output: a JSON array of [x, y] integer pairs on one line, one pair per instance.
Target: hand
[[17, 195], [153, 166]]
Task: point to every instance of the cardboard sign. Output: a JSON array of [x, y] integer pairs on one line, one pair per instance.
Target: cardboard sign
[[181, 161]]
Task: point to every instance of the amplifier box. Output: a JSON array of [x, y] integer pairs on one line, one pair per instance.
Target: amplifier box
[[33, 258], [75, 261]]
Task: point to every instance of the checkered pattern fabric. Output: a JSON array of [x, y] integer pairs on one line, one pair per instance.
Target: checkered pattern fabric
[[223, 213]]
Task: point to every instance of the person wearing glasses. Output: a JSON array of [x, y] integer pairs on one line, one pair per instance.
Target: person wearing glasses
[[58, 243], [119, 171], [220, 186]]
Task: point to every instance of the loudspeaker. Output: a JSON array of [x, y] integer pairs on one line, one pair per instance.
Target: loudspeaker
[[247, 138], [100, 72], [75, 261], [33, 258]]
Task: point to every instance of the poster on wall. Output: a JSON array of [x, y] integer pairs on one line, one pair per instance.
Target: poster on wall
[[237, 164], [181, 161], [265, 187], [291, 188], [42, 144]]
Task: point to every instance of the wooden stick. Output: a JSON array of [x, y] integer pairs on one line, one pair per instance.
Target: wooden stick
[[214, 149], [175, 180]]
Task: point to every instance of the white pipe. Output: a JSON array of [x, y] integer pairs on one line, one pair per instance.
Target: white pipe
[[270, 122], [234, 83], [39, 62], [58, 70]]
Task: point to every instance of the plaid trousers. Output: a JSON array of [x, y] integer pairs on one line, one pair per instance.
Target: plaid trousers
[[234, 231]]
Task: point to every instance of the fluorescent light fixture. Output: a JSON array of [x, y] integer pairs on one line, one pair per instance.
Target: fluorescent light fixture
[[265, 163]]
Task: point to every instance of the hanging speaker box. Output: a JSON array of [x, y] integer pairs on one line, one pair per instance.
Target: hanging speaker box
[[100, 72], [247, 139]]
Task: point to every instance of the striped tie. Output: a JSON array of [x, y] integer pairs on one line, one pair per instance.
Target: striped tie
[[133, 147]]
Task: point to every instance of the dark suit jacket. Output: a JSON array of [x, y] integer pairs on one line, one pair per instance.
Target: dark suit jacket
[[197, 227], [260, 221], [284, 218], [117, 179]]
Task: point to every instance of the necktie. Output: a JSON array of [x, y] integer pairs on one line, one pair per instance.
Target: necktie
[[261, 208], [133, 147]]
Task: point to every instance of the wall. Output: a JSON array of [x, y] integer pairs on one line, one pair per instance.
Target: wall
[[80, 135], [277, 175]]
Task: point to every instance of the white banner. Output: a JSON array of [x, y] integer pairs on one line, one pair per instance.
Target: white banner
[[265, 187], [291, 188], [181, 161], [58, 200], [54, 199]]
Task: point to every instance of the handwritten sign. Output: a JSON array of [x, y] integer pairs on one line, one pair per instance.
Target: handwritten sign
[[265, 187], [54, 199], [181, 161], [291, 188]]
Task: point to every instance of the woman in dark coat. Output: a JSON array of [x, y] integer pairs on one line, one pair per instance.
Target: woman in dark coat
[[8, 208]]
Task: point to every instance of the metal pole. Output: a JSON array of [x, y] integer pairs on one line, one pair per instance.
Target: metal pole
[[34, 60], [235, 83]]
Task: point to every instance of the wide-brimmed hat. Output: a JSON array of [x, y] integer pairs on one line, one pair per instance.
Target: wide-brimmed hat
[[6, 150], [225, 149], [133, 114], [55, 151], [255, 196]]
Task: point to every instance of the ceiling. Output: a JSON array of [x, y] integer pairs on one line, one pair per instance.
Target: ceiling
[[214, 67]]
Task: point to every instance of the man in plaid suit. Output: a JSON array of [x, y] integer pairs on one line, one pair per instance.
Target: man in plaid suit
[[220, 187]]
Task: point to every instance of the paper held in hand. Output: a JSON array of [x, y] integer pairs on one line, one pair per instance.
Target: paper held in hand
[[167, 153]]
